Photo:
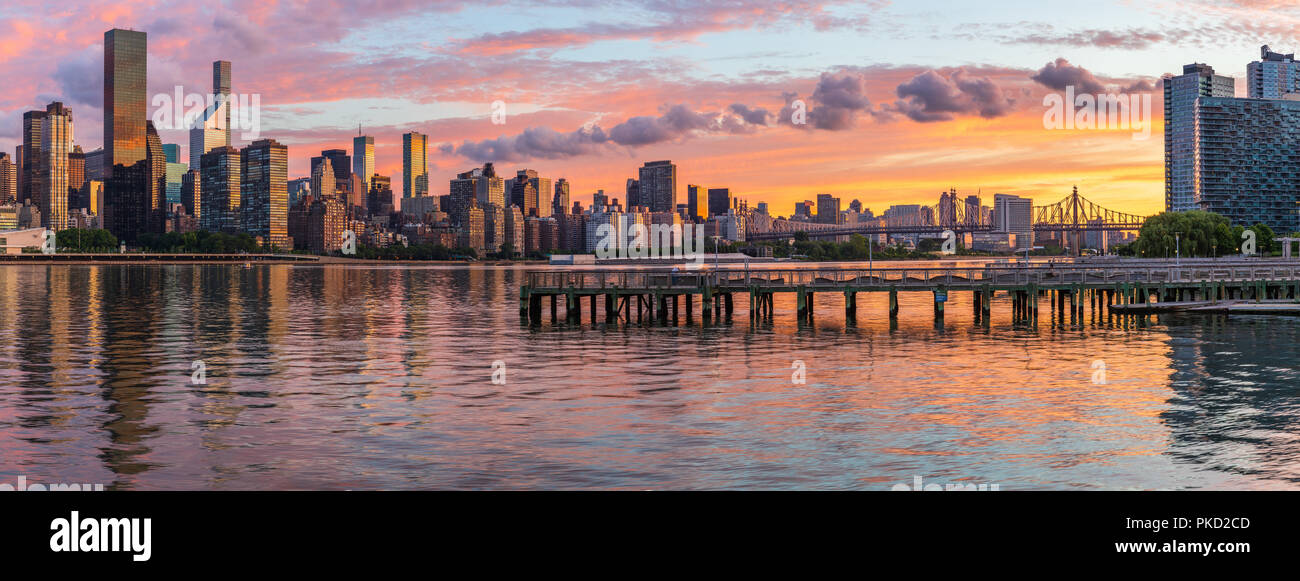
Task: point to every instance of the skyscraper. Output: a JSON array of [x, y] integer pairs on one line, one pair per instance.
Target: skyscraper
[[363, 158], [221, 89], [125, 85], [1274, 76], [221, 178], [697, 203], [1244, 153], [560, 204], [828, 209], [491, 188], [212, 127], [719, 201], [54, 179], [658, 186], [8, 179], [322, 180], [415, 165], [29, 156], [264, 193], [1014, 215], [1182, 96]]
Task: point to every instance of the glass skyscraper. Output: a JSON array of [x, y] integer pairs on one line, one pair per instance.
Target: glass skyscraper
[[1182, 93], [415, 165], [125, 84]]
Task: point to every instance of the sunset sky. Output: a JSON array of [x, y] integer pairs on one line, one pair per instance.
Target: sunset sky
[[904, 99]]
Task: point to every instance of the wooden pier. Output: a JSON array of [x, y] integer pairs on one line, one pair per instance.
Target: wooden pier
[[1069, 290]]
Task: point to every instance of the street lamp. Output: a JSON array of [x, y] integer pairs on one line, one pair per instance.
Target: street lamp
[[1178, 248]]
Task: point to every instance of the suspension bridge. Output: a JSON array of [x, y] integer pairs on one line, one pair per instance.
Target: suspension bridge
[[1072, 215]]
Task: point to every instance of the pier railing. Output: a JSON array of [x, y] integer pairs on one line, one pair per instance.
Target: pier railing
[[919, 278]]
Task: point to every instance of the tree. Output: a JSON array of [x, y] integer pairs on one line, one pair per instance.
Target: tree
[[1193, 233]]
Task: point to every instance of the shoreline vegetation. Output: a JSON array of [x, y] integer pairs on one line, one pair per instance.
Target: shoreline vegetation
[[1186, 234]]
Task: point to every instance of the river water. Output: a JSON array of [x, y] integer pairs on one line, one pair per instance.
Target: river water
[[377, 377]]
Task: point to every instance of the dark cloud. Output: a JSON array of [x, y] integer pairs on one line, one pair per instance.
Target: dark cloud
[[676, 122], [756, 116], [835, 104], [930, 96], [1060, 74]]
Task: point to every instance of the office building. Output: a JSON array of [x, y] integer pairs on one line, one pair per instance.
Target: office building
[[1014, 215], [54, 180], [264, 192], [221, 92], [491, 188], [719, 201], [658, 186], [125, 94], [697, 203], [828, 209], [415, 165], [220, 202], [560, 203], [363, 159], [322, 180], [192, 194], [8, 180]]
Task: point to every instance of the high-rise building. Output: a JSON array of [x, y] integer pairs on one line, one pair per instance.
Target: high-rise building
[[1182, 97], [173, 152], [520, 196], [363, 159], [340, 161], [29, 156], [54, 181], [379, 200], [125, 88], [155, 158], [719, 201], [491, 188], [463, 191], [560, 204], [298, 188], [828, 209], [658, 186], [1244, 153], [974, 215], [221, 90], [95, 165], [1273, 76], [632, 193], [264, 194], [192, 194], [8, 179], [76, 177], [1014, 215], [322, 181], [175, 183], [220, 202], [415, 165], [697, 203], [325, 225]]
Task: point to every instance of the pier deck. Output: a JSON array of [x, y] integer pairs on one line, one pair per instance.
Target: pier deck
[[655, 294]]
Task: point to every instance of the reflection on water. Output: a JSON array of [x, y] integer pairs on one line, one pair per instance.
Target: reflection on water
[[380, 377]]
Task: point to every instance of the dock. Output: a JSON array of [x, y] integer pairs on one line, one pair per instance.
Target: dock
[[659, 296]]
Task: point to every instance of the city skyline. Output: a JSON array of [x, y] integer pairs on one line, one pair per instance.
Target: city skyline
[[907, 161]]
